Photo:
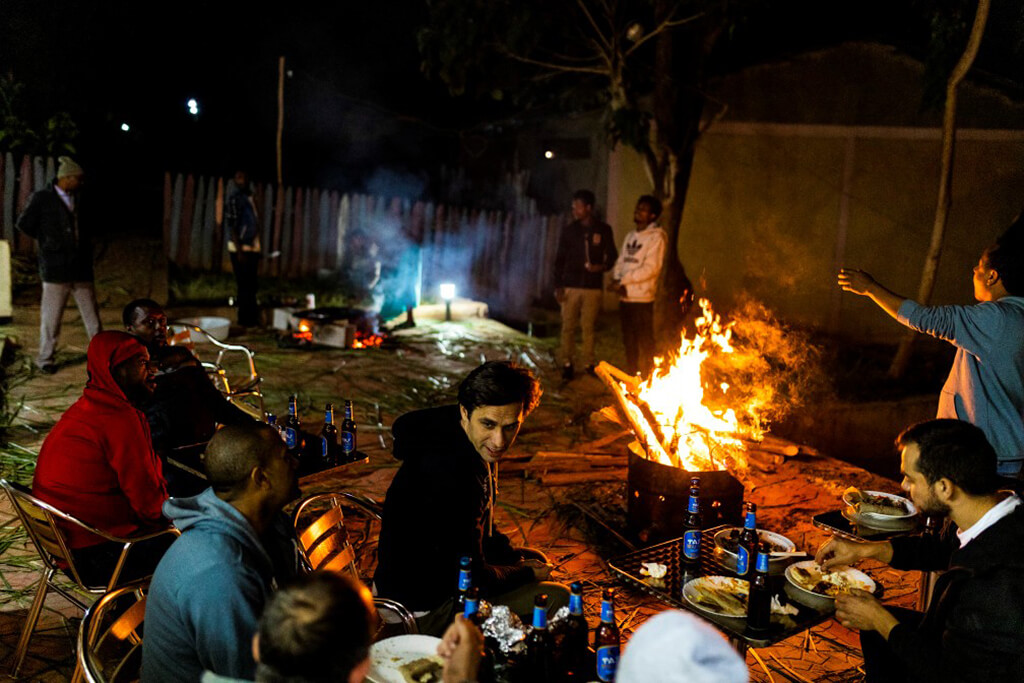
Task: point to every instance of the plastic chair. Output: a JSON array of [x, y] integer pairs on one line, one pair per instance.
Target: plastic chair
[[185, 334], [110, 636], [41, 521], [323, 544]]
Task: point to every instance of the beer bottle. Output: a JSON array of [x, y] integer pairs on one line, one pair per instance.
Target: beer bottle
[[575, 655], [759, 600], [292, 437], [485, 672], [540, 647], [465, 582], [606, 638], [348, 435], [329, 437], [746, 550], [692, 525]]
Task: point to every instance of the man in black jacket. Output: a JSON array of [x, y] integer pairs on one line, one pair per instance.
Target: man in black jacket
[[974, 627], [65, 257], [185, 408], [439, 507], [586, 250]]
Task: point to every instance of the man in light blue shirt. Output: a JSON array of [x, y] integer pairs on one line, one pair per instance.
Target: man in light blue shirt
[[986, 383]]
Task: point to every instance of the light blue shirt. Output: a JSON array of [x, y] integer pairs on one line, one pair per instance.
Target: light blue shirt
[[986, 383]]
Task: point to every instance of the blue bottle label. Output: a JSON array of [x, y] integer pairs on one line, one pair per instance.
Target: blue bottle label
[[465, 579], [607, 662], [575, 604], [742, 561], [329, 417], [762, 562], [291, 437], [607, 612], [540, 617], [691, 544], [694, 504], [348, 442], [750, 521], [472, 607]]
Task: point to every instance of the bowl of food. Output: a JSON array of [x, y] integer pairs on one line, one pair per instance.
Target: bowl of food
[[808, 584], [405, 658], [877, 506], [721, 596], [727, 543]]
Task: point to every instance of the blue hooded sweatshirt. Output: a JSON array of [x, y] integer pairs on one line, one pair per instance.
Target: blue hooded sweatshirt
[[207, 594]]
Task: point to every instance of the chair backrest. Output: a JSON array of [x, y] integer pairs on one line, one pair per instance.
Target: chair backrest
[[41, 523], [110, 636], [323, 542]]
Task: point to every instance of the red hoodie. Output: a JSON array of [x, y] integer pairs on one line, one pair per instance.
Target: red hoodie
[[97, 463]]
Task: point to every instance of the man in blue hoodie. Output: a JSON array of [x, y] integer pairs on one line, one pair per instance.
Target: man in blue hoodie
[[210, 588]]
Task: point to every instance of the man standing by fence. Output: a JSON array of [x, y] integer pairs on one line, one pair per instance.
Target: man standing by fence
[[242, 226], [65, 257], [586, 250]]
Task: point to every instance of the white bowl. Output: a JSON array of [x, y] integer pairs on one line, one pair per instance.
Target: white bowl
[[386, 656], [876, 517], [775, 564], [820, 601], [216, 327]]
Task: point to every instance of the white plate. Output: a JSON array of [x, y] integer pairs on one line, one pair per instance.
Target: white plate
[[859, 578], [876, 517], [389, 654], [778, 539], [729, 583], [882, 523]]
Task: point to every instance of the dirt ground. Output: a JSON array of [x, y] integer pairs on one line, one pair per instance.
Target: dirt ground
[[423, 369]]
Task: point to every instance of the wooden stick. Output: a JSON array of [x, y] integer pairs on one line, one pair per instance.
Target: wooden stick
[[567, 478]]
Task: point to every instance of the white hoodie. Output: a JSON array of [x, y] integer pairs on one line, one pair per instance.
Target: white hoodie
[[639, 263]]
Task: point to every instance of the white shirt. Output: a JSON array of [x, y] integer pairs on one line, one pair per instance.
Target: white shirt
[[69, 201], [996, 513]]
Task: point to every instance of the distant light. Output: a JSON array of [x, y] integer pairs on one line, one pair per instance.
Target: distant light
[[548, 154], [125, 127], [193, 107], [447, 291]]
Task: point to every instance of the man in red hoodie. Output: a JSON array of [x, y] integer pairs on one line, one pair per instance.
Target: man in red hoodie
[[98, 464]]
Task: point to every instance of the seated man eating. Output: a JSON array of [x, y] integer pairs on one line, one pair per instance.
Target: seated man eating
[[440, 505], [185, 408], [97, 464], [974, 627]]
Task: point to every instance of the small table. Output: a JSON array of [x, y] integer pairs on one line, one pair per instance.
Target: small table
[[670, 554], [305, 474]]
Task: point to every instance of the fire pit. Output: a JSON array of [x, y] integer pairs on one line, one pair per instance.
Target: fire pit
[[334, 326]]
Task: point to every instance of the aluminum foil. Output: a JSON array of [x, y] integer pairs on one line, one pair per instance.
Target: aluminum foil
[[562, 613], [504, 627]]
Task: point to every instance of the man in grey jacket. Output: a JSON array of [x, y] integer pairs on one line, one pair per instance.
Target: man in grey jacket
[[65, 257]]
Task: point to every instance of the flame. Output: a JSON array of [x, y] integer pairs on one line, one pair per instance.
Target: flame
[[680, 428], [366, 340]]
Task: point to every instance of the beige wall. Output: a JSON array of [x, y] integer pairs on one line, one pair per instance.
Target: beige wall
[[773, 210]]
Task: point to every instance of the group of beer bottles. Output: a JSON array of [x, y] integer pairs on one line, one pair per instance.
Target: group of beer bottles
[[751, 557], [560, 653], [327, 448]]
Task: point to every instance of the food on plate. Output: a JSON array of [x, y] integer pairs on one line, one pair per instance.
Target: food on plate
[[868, 503], [811, 578], [730, 542], [724, 595], [425, 670]]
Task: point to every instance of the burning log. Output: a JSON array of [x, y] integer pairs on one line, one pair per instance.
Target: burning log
[[622, 386]]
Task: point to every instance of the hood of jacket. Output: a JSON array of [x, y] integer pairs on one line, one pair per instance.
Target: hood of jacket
[[107, 350], [208, 513]]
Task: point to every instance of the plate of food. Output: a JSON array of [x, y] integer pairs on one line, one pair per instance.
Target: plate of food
[[878, 524], [722, 596], [819, 589], [727, 541], [877, 506], [405, 659]]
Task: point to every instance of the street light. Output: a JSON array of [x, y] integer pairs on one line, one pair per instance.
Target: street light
[[125, 127], [447, 293]]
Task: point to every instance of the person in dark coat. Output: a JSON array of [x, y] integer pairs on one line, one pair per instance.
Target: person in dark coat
[[974, 627], [65, 257], [439, 506], [242, 227], [185, 408]]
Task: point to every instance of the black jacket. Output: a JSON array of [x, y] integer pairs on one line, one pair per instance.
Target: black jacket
[[435, 513], [576, 245], [974, 628], [65, 248]]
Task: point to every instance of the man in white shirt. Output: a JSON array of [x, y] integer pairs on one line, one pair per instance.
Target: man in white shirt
[[974, 627], [635, 279]]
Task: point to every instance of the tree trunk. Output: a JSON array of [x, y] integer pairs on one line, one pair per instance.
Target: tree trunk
[[931, 263]]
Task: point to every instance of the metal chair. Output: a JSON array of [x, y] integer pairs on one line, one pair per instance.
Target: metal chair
[[110, 636], [185, 334], [323, 544], [42, 523]]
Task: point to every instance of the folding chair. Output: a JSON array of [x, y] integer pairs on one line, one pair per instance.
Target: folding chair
[[41, 521], [110, 636], [242, 395], [323, 544]]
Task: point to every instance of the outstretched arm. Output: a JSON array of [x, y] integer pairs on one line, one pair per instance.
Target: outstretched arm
[[859, 282]]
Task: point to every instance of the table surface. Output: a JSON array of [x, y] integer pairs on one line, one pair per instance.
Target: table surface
[[669, 553]]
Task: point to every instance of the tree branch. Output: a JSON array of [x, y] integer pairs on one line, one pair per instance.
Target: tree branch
[[666, 24], [586, 12], [566, 68]]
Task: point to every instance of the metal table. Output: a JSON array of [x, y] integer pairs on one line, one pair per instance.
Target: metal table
[[669, 553]]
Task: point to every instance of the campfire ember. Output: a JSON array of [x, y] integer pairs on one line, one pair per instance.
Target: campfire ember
[[367, 340], [669, 412]]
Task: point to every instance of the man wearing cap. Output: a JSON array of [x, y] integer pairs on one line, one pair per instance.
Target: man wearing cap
[[65, 257]]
